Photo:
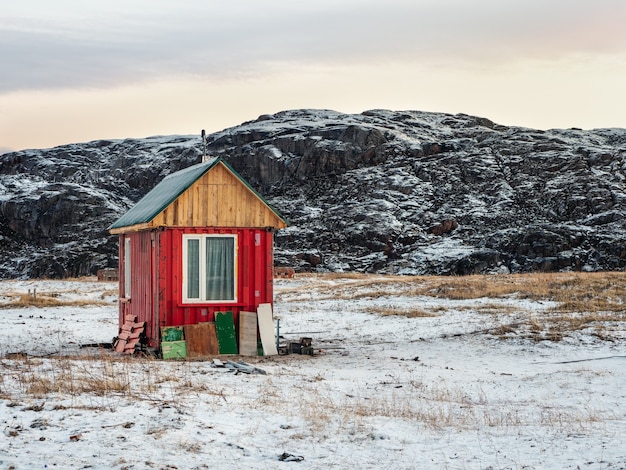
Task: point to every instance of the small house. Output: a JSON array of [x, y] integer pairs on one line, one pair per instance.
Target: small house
[[200, 242]]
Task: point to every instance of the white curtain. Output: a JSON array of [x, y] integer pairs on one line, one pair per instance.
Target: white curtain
[[220, 269]]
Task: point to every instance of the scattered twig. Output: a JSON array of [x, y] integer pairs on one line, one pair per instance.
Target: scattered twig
[[127, 425]]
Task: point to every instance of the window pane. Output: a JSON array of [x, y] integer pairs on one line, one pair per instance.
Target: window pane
[[193, 269], [220, 268]]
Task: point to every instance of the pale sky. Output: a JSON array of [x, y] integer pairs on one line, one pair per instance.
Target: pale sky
[[77, 70]]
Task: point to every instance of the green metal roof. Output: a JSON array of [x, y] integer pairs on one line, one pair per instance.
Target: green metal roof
[[163, 194], [168, 190]]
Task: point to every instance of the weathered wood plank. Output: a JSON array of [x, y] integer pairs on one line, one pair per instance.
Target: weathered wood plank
[[266, 329], [197, 337], [212, 347], [194, 208], [248, 334]]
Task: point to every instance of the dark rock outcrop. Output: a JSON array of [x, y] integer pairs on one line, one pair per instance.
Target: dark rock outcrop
[[399, 192], [444, 227]]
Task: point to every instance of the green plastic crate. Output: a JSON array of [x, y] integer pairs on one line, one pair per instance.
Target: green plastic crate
[[171, 333], [174, 349]]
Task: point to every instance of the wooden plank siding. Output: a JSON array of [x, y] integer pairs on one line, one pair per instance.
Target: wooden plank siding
[[218, 199]]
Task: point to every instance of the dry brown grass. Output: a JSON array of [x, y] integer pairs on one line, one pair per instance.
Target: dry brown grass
[[401, 311], [104, 377], [580, 300], [20, 300], [68, 377], [588, 290], [431, 405], [490, 309], [555, 326]]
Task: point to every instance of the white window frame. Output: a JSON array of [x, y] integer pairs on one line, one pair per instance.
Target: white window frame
[[201, 237]]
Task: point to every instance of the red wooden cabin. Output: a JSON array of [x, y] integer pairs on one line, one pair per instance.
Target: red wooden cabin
[[201, 241]]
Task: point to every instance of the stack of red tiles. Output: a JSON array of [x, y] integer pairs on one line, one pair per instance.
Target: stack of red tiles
[[129, 335]]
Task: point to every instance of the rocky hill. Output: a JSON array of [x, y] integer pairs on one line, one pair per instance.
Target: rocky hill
[[383, 191]]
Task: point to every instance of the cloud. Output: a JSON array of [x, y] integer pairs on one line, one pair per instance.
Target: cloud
[[72, 43]]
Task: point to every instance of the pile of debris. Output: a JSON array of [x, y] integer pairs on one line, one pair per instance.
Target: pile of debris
[[237, 367], [303, 346]]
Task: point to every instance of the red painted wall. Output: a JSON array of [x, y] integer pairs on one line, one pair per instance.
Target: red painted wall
[[156, 277]]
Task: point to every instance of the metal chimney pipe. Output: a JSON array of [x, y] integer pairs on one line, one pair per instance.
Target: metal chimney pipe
[[203, 146]]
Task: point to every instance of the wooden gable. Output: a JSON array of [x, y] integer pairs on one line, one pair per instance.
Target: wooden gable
[[218, 199]]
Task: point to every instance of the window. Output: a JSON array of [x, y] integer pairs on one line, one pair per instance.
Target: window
[[127, 267], [209, 268]]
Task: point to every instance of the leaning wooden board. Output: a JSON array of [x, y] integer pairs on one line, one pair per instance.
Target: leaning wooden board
[[225, 329], [195, 345], [247, 334], [201, 340], [266, 329], [212, 338]]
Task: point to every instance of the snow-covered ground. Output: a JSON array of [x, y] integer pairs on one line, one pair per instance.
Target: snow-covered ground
[[439, 391]]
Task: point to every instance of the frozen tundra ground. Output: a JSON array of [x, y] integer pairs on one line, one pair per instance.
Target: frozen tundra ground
[[403, 377]]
